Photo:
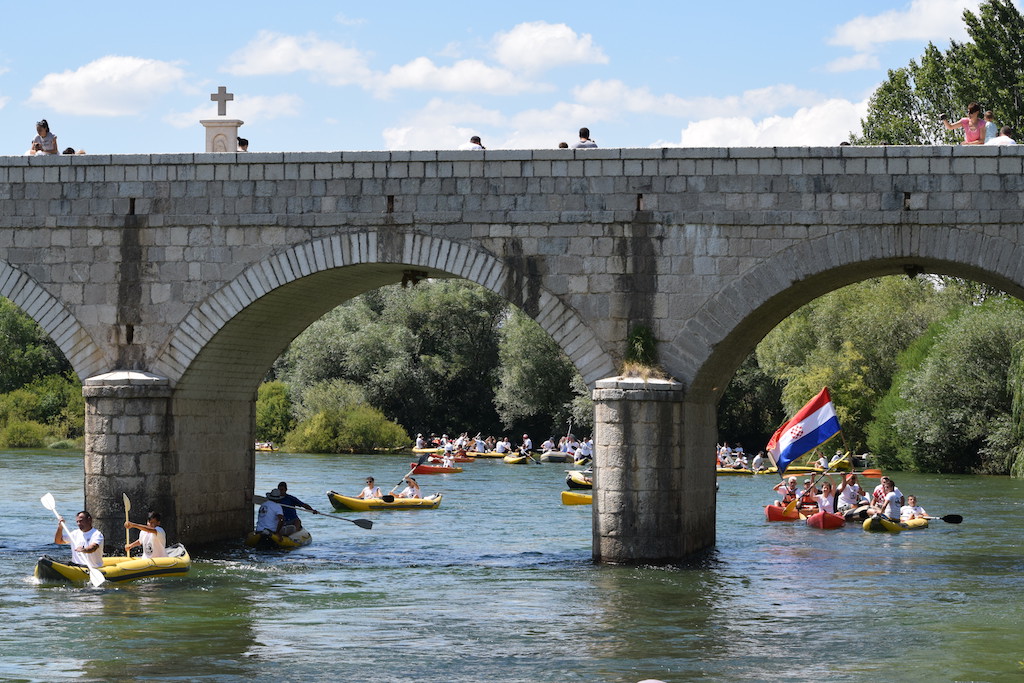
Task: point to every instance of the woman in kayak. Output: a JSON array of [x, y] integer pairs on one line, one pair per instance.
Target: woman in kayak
[[410, 491], [826, 500]]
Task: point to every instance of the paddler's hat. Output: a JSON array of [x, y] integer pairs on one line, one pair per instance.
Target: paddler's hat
[[274, 495]]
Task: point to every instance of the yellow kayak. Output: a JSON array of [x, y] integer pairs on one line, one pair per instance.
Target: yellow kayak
[[576, 498], [516, 459], [918, 523], [341, 502], [428, 450], [578, 479], [882, 525], [296, 540], [728, 471], [486, 454], [117, 569]]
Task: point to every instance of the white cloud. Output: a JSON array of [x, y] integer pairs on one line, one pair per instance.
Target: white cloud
[[827, 123], [467, 75], [617, 96], [109, 86], [4, 101], [857, 62], [348, 21], [274, 53], [249, 109], [538, 45], [442, 125], [923, 20]]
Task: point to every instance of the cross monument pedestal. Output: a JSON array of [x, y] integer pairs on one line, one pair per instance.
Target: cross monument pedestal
[[222, 134]]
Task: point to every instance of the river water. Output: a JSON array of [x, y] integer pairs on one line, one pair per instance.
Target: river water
[[497, 584]]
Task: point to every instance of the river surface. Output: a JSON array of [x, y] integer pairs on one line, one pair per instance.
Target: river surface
[[497, 584]]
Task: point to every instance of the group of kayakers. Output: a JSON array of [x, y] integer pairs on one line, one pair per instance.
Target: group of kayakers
[[849, 499], [87, 541], [463, 444]]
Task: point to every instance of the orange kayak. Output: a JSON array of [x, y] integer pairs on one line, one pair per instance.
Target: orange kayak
[[433, 469]]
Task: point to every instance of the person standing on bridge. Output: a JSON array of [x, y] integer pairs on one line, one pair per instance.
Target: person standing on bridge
[[585, 141], [973, 125], [475, 141]]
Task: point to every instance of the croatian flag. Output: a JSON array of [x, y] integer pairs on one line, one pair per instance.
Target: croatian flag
[[815, 424]]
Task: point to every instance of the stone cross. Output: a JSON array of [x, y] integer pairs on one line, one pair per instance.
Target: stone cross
[[222, 97]]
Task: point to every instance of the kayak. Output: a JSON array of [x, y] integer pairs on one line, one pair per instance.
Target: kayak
[[826, 520], [578, 479], [341, 502], [576, 498], [513, 459], [487, 454], [267, 540], [776, 513], [792, 469], [918, 523], [117, 569], [555, 456], [455, 458], [882, 525], [725, 471], [437, 449], [433, 469]]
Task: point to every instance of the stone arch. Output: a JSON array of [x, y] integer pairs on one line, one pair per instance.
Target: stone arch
[[56, 320], [354, 262], [710, 346]]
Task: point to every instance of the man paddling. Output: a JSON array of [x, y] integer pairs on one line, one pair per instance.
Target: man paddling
[[86, 542], [289, 503]]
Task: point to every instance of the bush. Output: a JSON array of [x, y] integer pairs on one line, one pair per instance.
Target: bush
[[24, 434], [273, 411], [357, 429]]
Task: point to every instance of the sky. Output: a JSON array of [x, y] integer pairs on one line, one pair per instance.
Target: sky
[[119, 78]]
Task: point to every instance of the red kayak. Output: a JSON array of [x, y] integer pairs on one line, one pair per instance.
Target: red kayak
[[826, 520], [457, 458], [433, 469], [777, 513]]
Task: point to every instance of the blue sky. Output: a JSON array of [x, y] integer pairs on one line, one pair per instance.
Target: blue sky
[[136, 78]]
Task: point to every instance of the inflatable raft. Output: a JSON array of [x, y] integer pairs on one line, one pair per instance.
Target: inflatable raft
[[267, 540], [578, 479], [433, 469], [341, 502], [576, 498], [555, 456], [826, 520], [727, 471], [517, 459], [881, 525], [117, 569], [457, 458]]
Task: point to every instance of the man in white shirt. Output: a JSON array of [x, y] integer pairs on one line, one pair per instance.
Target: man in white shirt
[[85, 541], [1005, 137], [527, 444], [271, 515]]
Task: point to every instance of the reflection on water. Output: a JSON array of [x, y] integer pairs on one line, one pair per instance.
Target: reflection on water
[[497, 584]]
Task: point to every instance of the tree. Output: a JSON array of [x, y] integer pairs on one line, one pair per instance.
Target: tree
[[26, 352], [905, 108], [751, 407], [273, 412]]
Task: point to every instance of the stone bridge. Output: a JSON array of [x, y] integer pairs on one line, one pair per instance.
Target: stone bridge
[[172, 282]]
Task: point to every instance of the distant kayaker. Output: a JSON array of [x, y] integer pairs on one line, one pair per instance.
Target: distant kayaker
[[270, 518], [890, 503], [370, 490], [503, 446], [548, 445], [420, 441], [85, 541], [912, 510], [527, 445], [412, 490], [878, 495], [822, 462], [152, 537], [787, 489], [851, 495], [291, 516], [759, 462]]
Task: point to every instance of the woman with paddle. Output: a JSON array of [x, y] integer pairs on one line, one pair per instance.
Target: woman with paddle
[[410, 491]]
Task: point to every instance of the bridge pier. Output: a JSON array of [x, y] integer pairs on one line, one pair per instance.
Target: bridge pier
[[654, 495], [127, 450]]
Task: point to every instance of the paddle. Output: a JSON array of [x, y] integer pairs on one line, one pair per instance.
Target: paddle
[[96, 577], [948, 519], [389, 497], [364, 523], [869, 474], [127, 531], [791, 505]]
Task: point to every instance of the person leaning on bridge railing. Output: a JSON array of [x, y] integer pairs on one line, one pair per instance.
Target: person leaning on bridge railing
[[974, 127]]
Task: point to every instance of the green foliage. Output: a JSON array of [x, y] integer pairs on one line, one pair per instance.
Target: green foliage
[[958, 412], [55, 401], [273, 412], [356, 429], [751, 407], [905, 108], [337, 394], [641, 346], [26, 352], [534, 377], [24, 434], [1015, 385]]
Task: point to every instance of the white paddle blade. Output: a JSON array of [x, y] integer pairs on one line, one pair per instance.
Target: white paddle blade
[[96, 577], [48, 502], [127, 502]]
